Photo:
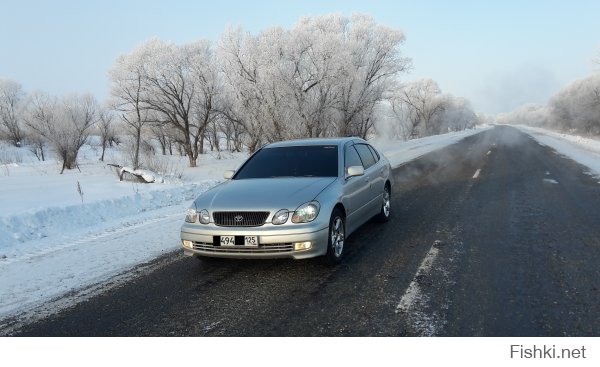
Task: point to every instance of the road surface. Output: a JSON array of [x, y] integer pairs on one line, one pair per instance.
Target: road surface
[[493, 236]]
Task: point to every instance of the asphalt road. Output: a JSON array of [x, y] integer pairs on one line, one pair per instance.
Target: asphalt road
[[493, 236]]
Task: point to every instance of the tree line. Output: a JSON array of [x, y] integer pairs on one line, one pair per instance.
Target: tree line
[[574, 109], [326, 76]]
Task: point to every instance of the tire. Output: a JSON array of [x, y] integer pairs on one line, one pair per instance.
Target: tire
[[384, 214], [336, 238]]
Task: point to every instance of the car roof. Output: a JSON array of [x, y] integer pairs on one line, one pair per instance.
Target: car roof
[[314, 141]]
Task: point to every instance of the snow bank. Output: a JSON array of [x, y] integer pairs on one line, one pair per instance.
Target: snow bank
[[585, 151], [53, 221], [399, 153]]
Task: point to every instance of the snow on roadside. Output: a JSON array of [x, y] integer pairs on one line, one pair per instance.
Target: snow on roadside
[[38, 224], [400, 153], [54, 242], [585, 151]]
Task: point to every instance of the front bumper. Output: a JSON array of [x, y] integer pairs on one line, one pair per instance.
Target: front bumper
[[274, 241]]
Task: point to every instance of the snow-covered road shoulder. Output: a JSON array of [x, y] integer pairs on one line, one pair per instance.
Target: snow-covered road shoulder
[[58, 221], [585, 151], [400, 153]]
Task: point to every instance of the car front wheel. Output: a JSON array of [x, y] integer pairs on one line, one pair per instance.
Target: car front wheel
[[337, 237]]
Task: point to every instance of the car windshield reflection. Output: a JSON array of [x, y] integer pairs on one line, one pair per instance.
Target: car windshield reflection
[[292, 161]]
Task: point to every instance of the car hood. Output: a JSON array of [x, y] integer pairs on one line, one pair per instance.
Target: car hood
[[263, 193]]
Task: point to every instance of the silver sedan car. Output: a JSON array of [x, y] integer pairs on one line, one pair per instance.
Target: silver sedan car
[[294, 199]]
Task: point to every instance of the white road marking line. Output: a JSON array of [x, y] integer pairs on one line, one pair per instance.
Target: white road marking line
[[415, 300], [549, 180], [476, 175], [413, 292], [489, 152]]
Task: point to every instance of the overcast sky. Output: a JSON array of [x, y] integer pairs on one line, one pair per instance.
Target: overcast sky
[[498, 54]]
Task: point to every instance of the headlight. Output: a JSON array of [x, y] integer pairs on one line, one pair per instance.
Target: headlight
[[191, 216], [281, 216], [204, 216], [306, 212]]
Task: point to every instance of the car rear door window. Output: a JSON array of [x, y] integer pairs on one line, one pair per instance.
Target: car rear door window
[[365, 155], [352, 158], [375, 153]]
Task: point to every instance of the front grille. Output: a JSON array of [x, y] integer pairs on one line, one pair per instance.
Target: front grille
[[261, 249], [240, 219]]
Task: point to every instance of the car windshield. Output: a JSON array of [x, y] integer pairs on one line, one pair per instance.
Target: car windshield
[[293, 161]]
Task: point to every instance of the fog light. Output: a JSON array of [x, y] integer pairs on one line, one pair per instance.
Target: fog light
[[299, 246], [188, 244]]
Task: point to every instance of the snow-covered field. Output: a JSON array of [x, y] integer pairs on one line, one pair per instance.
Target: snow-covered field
[[55, 241]]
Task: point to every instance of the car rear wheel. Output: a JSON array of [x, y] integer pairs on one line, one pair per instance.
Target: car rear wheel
[[336, 238], [386, 204]]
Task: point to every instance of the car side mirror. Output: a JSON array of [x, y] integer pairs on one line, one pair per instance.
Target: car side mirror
[[228, 174], [355, 171]]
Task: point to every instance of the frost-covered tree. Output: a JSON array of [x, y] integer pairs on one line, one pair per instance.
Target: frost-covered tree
[[164, 136], [310, 77], [207, 94], [37, 145], [372, 61], [244, 63], [105, 128], [232, 130], [457, 115], [129, 92], [163, 83], [64, 123], [396, 120], [577, 106], [321, 78], [418, 104], [533, 114], [420, 109], [12, 106]]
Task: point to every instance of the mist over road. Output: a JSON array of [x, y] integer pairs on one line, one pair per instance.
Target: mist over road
[[493, 236]]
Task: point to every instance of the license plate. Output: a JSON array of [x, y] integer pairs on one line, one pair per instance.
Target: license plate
[[246, 241], [227, 241], [250, 241]]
